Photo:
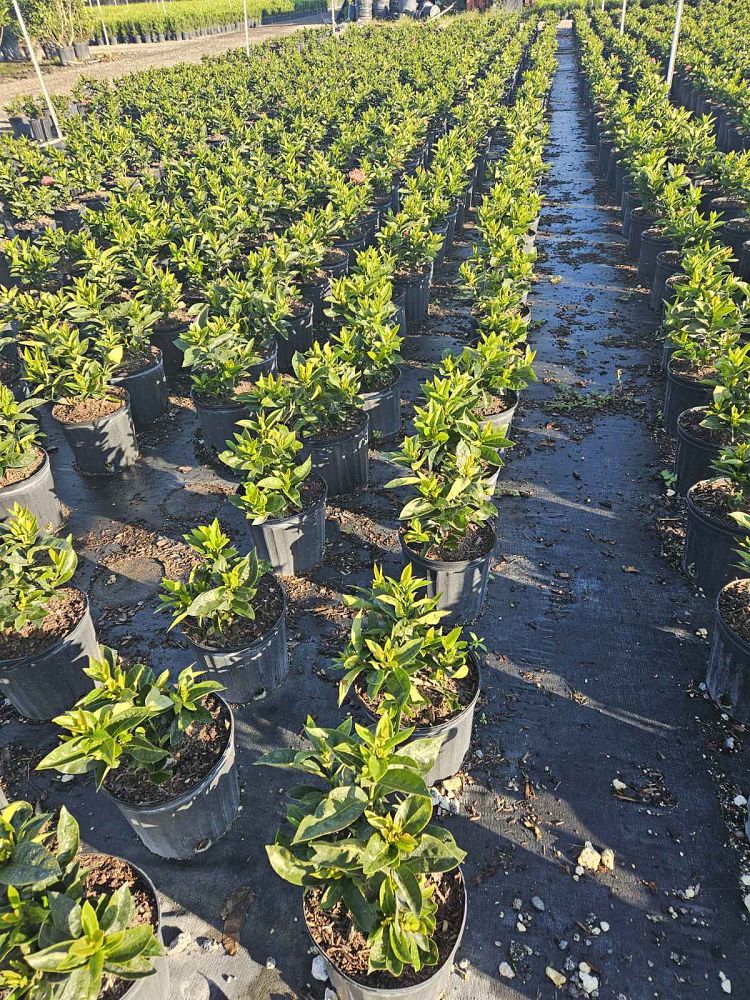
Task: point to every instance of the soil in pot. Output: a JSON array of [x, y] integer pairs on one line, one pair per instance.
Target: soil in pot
[[13, 476], [734, 606], [268, 605], [84, 411], [65, 609], [475, 544], [201, 749], [345, 946]]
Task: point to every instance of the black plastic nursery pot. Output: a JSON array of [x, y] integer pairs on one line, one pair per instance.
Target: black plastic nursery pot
[[695, 455], [434, 987], [455, 733], [335, 264], [104, 446], [735, 233], [727, 208], [300, 337], [156, 985], [682, 394], [728, 673], [383, 407], [653, 242], [37, 492], [66, 54], [640, 221], [668, 263], [399, 318], [316, 292], [416, 289], [630, 201], [709, 556], [460, 585], [295, 543], [342, 460], [164, 339], [252, 670], [219, 422], [744, 265], [147, 390], [190, 823], [49, 681]]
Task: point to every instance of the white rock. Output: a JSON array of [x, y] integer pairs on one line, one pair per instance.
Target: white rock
[[740, 800], [604, 926], [589, 983], [181, 943], [319, 969], [330, 994], [608, 859], [521, 928], [589, 857], [537, 903], [584, 967], [270, 962], [745, 880], [619, 786], [557, 977], [506, 971], [726, 984]]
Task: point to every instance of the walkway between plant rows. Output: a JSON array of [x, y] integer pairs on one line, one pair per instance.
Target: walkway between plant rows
[[596, 647]]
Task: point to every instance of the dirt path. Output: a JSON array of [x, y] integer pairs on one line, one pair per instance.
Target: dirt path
[[129, 58]]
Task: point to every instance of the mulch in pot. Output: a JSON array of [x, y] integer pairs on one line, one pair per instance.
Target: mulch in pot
[[346, 946], [734, 607], [715, 499], [439, 710], [690, 423], [18, 475], [137, 361], [380, 380], [268, 605], [497, 404], [477, 542], [103, 875], [84, 411], [687, 370], [348, 422], [201, 748], [64, 611]]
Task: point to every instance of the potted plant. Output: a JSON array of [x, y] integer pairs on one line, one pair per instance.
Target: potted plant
[[25, 470], [728, 674], [375, 869], [162, 750], [231, 610], [448, 533], [83, 925], [94, 414], [718, 517], [366, 338], [313, 260], [283, 500], [703, 430], [400, 661], [408, 237], [321, 403], [160, 289], [46, 632], [123, 328], [223, 363]]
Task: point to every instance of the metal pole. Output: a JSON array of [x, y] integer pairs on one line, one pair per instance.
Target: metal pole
[[675, 42], [622, 16], [35, 61], [104, 26], [247, 27], [333, 16]]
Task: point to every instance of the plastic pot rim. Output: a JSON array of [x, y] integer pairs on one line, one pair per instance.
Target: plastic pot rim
[[23, 661], [220, 650], [177, 800], [402, 990], [701, 515], [443, 565]]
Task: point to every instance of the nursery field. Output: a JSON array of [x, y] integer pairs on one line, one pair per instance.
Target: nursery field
[[374, 502]]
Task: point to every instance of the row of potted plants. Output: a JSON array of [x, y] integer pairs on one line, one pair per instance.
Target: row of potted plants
[[361, 841], [706, 325]]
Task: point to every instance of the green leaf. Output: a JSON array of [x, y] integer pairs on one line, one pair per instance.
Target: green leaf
[[338, 810], [29, 863]]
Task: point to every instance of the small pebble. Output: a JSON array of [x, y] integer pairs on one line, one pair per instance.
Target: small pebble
[[506, 971]]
